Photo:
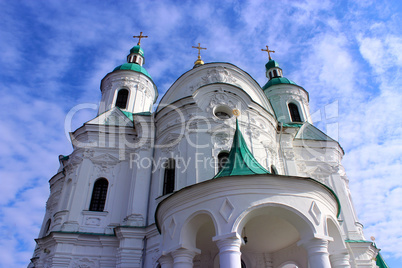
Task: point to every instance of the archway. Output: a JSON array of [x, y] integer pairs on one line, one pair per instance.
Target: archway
[[270, 233], [197, 233]]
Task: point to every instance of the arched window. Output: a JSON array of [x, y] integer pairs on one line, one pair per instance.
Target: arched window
[[169, 176], [122, 97], [275, 73], [294, 112], [273, 170], [47, 227], [270, 75], [223, 158], [99, 192]]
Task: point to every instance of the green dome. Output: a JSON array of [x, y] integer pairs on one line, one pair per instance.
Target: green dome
[[133, 67], [271, 64], [137, 50], [278, 81]]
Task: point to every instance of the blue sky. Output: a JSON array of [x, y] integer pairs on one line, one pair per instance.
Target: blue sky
[[346, 54]]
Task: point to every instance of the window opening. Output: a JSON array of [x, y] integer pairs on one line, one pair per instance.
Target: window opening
[[223, 158], [122, 97], [273, 170], [275, 73], [294, 112], [99, 193], [169, 176], [47, 227]]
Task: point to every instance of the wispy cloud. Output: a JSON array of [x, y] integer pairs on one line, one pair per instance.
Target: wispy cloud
[[54, 54]]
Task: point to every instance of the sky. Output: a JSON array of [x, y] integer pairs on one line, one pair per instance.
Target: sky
[[346, 54]]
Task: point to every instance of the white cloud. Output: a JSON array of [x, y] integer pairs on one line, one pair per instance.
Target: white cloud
[[54, 55]]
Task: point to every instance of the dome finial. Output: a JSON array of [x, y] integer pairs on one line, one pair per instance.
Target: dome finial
[[199, 61], [139, 38], [267, 50]]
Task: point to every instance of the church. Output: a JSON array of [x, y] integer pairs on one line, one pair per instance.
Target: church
[[223, 173]]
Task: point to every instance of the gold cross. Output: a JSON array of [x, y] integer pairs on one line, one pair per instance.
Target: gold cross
[[139, 38], [267, 50], [199, 49]]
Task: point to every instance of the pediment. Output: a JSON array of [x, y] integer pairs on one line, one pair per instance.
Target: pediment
[[310, 132], [105, 158], [113, 117]]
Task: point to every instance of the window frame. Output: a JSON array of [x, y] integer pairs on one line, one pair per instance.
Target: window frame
[[117, 101], [99, 195]]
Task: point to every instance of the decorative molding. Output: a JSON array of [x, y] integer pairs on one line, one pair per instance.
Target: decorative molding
[[315, 212], [289, 154], [226, 209], [134, 220], [172, 227], [218, 74]]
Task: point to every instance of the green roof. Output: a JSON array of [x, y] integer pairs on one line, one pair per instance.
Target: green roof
[[240, 161], [380, 261], [271, 64], [128, 114], [278, 81], [133, 67], [137, 50]]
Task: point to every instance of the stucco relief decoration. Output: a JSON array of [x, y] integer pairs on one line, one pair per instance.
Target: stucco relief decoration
[[218, 74], [53, 201], [221, 138], [84, 263], [289, 155], [220, 98], [258, 123], [134, 220], [170, 143], [88, 153], [94, 221], [104, 164], [172, 227], [301, 167], [226, 210], [71, 166], [315, 212], [253, 132]]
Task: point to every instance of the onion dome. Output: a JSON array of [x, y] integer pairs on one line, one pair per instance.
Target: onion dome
[[275, 75], [133, 67], [135, 60]]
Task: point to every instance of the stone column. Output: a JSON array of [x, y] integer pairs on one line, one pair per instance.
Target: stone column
[[340, 259], [166, 261], [229, 250], [317, 250], [183, 258]]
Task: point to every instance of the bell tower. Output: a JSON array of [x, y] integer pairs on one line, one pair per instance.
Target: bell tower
[[129, 86], [289, 100]]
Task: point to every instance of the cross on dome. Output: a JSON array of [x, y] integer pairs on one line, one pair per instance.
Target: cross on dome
[[267, 50], [199, 49], [139, 38], [199, 61]]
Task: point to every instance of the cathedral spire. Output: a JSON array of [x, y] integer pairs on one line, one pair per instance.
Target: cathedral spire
[[240, 160], [199, 62]]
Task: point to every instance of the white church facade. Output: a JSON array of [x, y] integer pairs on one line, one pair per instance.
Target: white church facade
[[224, 173]]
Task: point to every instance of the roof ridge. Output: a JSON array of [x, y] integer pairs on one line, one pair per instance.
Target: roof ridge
[[240, 160]]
